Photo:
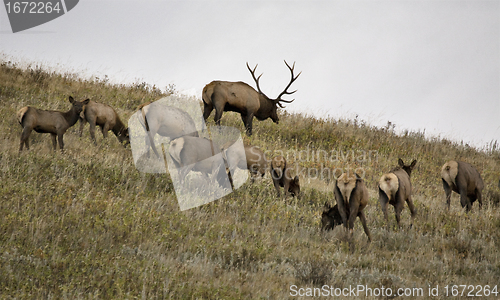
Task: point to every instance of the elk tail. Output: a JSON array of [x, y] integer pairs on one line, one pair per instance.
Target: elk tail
[[449, 172], [146, 126], [389, 184], [21, 113]]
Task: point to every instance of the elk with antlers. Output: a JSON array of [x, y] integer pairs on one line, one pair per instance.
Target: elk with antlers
[[244, 99]]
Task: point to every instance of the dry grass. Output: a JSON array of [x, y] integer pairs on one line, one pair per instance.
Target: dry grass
[[86, 224]]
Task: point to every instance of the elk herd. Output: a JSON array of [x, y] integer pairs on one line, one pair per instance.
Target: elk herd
[[188, 148]]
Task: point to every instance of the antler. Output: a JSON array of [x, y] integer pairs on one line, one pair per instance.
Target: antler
[[293, 78], [256, 79]]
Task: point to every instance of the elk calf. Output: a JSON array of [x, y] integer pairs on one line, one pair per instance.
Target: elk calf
[[464, 179], [105, 117], [352, 197], [395, 188], [48, 121], [282, 177]]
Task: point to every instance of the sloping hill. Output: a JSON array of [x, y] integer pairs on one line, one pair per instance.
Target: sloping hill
[[87, 224]]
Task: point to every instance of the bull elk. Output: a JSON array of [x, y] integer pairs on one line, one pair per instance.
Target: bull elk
[[352, 197], [105, 117], [48, 121], [395, 188], [464, 179], [244, 99]]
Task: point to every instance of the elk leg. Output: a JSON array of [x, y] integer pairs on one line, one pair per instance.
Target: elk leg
[[362, 218], [248, 124], [54, 142], [218, 115], [413, 211], [383, 204], [398, 208], [24, 138], [83, 121], [276, 183], [479, 198], [341, 205], [92, 130], [353, 213], [447, 191], [61, 142], [464, 200], [207, 110], [105, 130]]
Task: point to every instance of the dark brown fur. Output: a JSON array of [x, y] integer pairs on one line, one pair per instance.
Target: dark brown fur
[[352, 197], [397, 197], [105, 117], [282, 177], [330, 217], [48, 121], [243, 99], [467, 182]]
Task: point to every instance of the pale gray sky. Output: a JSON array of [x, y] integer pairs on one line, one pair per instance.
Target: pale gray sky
[[432, 65]]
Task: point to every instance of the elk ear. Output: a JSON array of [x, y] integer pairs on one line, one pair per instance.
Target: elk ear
[[327, 207], [71, 100], [401, 163], [86, 102], [413, 163]]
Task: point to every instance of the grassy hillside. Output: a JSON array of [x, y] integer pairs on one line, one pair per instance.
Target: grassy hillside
[[85, 224]]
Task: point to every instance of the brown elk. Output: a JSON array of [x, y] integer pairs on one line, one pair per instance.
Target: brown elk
[[254, 160], [282, 177], [244, 99], [395, 189], [352, 197], [464, 179], [105, 117], [48, 121]]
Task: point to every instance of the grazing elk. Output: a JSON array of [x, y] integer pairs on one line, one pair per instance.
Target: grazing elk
[[352, 197], [464, 179], [254, 160], [282, 177], [48, 121], [199, 154], [244, 99], [167, 121], [105, 117], [395, 188]]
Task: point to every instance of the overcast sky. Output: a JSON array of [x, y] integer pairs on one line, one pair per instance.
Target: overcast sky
[[423, 65]]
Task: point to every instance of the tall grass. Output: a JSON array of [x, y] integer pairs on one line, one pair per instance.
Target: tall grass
[[86, 224]]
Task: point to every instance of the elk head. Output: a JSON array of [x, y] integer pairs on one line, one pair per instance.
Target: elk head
[[273, 108]]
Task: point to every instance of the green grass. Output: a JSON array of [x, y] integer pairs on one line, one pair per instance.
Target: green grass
[[85, 224]]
